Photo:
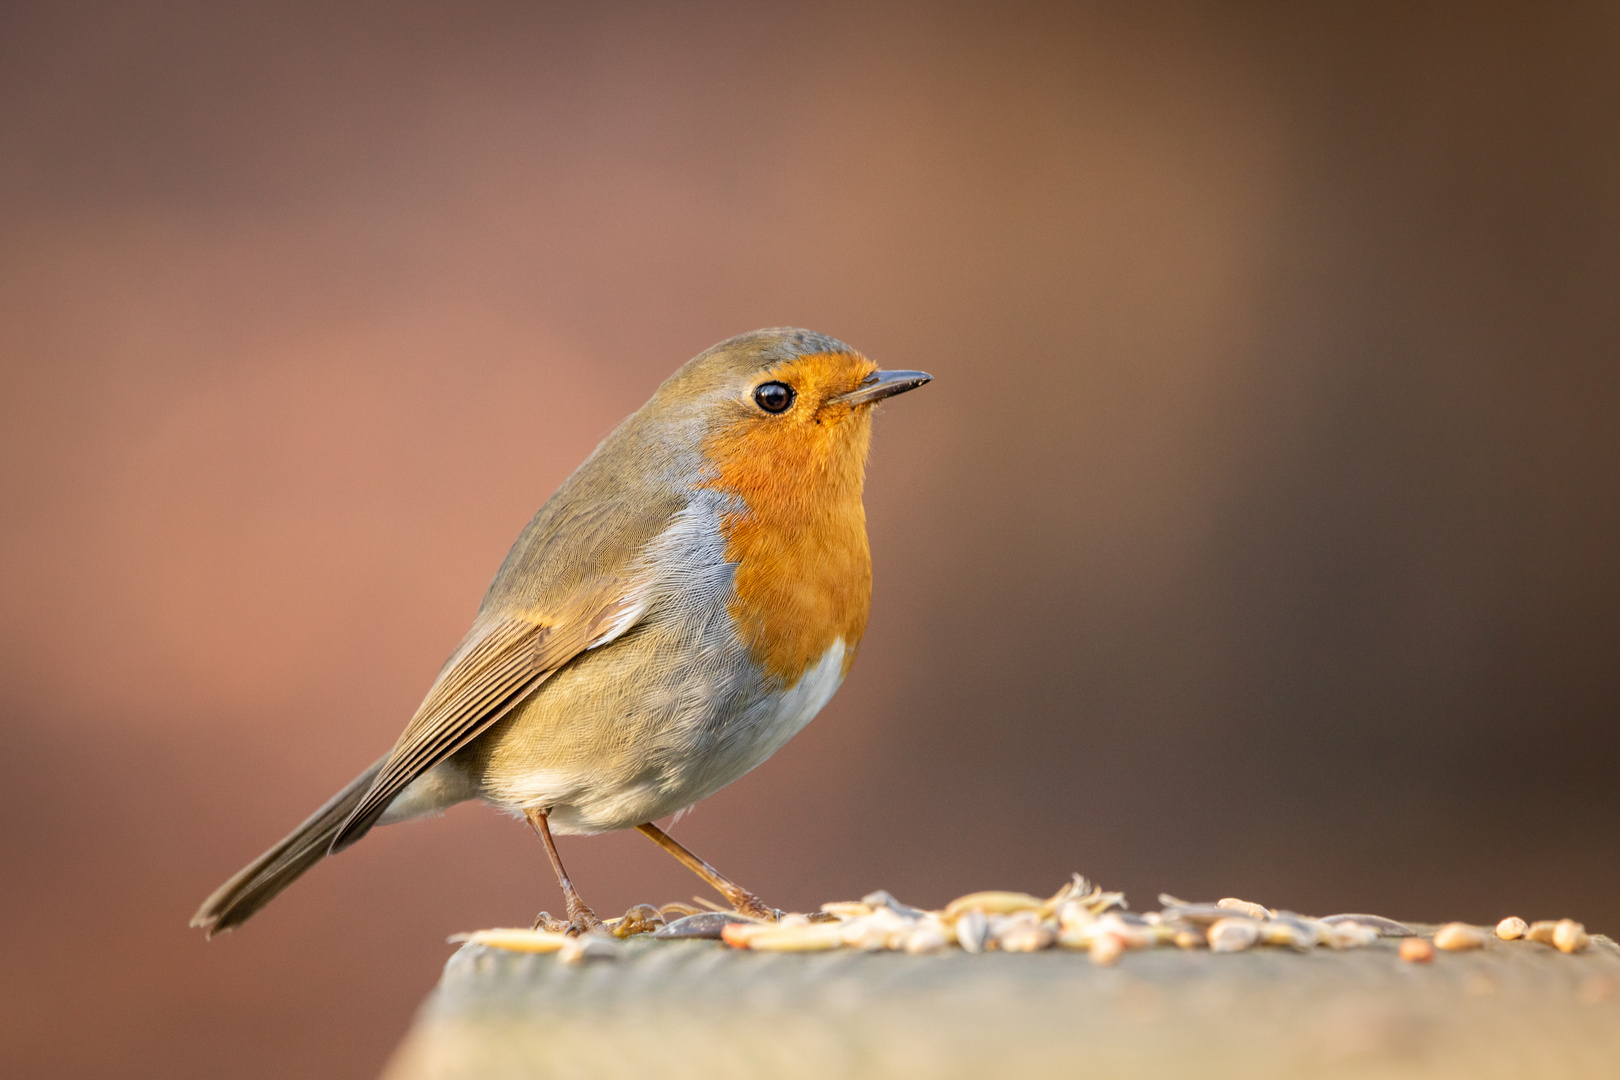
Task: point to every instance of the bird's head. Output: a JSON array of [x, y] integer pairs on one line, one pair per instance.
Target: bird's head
[[784, 413]]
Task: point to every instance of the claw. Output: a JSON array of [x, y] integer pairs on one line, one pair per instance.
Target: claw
[[748, 904]]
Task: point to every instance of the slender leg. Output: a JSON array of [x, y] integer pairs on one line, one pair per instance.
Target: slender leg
[[740, 898], [580, 917]]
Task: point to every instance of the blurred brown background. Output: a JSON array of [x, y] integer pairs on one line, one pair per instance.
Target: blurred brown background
[[1258, 536]]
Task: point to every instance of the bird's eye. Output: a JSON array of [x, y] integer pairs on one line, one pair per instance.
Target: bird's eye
[[774, 397]]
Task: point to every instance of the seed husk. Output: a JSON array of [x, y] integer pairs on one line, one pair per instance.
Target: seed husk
[[1244, 907], [1233, 934], [1385, 927], [1350, 934], [972, 930], [1512, 928], [1072, 915], [992, 903], [928, 936], [1025, 935], [705, 924], [1132, 933], [1198, 914], [882, 899]]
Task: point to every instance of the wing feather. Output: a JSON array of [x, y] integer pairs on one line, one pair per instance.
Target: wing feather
[[503, 660]]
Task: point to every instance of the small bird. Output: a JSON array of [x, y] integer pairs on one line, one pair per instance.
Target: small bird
[[682, 606]]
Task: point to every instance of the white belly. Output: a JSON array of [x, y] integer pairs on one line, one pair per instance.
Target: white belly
[[718, 749]]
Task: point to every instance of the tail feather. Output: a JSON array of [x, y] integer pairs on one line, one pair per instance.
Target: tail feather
[[256, 884]]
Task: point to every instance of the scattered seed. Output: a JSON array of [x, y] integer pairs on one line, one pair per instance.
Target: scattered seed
[[1570, 936], [737, 934], [928, 936], [1199, 914], [1290, 932], [972, 930], [1190, 938], [882, 899], [1233, 934], [1542, 931], [1458, 937], [532, 941], [1025, 935], [1133, 934], [705, 924], [1416, 950], [1385, 927], [1349, 934], [1078, 916], [1078, 938], [1073, 915], [885, 928], [800, 937], [992, 903], [1106, 949], [1244, 907]]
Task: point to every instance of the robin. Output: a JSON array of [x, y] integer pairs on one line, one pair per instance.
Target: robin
[[682, 606]]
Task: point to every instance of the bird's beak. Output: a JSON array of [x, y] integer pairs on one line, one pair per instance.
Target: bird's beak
[[882, 384]]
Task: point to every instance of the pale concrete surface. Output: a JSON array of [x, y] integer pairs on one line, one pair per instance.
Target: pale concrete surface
[[701, 1010]]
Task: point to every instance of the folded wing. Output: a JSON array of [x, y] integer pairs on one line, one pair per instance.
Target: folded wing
[[503, 660]]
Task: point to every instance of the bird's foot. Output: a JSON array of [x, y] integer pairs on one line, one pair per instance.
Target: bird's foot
[[548, 922], [640, 919], [744, 902], [581, 919]]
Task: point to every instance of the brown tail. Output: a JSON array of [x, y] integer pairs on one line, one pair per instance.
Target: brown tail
[[259, 882]]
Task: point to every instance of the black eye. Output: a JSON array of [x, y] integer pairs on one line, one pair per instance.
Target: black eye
[[774, 397]]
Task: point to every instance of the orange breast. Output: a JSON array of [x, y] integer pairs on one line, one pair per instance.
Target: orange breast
[[804, 571]]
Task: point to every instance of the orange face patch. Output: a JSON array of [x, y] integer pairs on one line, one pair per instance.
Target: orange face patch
[[804, 572]]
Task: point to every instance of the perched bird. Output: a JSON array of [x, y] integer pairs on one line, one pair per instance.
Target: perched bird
[[682, 606]]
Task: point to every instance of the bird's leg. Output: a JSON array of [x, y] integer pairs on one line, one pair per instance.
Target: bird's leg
[[580, 917], [740, 898]]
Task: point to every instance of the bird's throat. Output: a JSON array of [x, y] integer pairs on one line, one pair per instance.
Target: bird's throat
[[798, 539]]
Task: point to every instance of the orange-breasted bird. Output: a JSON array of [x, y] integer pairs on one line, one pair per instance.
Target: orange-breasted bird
[[682, 606]]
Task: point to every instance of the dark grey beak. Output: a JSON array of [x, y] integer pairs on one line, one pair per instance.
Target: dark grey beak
[[883, 384]]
